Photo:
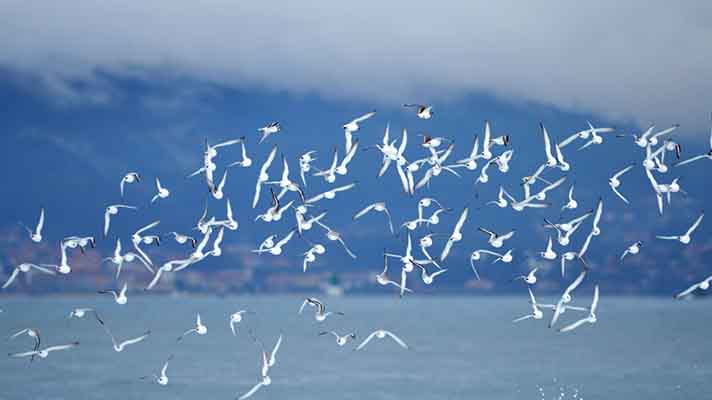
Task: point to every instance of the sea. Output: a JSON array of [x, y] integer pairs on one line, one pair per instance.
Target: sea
[[460, 348]]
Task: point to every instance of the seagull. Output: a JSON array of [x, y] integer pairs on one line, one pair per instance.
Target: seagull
[[36, 235], [118, 259], [72, 242], [162, 192], [536, 312], [330, 194], [217, 191], [597, 218], [379, 206], [285, 183], [44, 352], [342, 168], [276, 249], [566, 296], [81, 312], [320, 315], [353, 126], [549, 253], [246, 161], [236, 318], [63, 268], [267, 363], [131, 177], [137, 239], [267, 130], [572, 204], [423, 111], [560, 161], [329, 175], [168, 267], [591, 319], [161, 379], [310, 255], [340, 340], [217, 250], [200, 329], [120, 297], [585, 134], [530, 278], [701, 285], [685, 238], [335, 236], [25, 268], [381, 334], [496, 240], [550, 159], [633, 249], [707, 155], [113, 210], [428, 278], [383, 280], [263, 176], [505, 258], [119, 347], [31, 332], [503, 199], [305, 161], [183, 239], [470, 162], [456, 235]]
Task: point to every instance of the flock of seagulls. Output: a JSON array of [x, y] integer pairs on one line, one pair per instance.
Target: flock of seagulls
[[287, 196]]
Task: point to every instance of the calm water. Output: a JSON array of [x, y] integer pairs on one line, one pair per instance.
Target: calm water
[[463, 348]]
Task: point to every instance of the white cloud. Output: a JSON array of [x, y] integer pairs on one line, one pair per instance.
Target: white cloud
[[638, 61]]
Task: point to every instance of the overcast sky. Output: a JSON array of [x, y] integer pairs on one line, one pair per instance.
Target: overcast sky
[[637, 61]]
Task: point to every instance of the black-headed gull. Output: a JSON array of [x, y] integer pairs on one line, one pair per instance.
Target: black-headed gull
[[236, 318], [32, 333], [590, 319], [119, 296], [572, 204], [495, 240], [633, 249], [536, 312], [340, 340], [423, 111], [199, 329], [335, 236], [43, 353], [119, 259], [320, 313], [246, 161], [378, 206], [120, 346], [353, 126], [549, 253], [456, 234], [268, 130], [25, 268], [131, 177], [113, 210], [183, 239], [382, 334], [82, 312], [685, 238], [277, 248], [161, 192], [701, 285], [566, 298], [161, 378], [331, 193], [263, 176], [36, 234], [530, 278]]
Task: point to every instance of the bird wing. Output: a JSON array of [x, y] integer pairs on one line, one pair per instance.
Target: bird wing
[[24, 354], [446, 250], [594, 303], [365, 342], [364, 211], [11, 278], [696, 224], [107, 222], [272, 357], [574, 325], [364, 117], [620, 195], [397, 339], [687, 291], [251, 391], [40, 223], [577, 281], [350, 155]]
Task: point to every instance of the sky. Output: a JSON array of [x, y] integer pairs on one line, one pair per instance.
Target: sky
[[95, 90]]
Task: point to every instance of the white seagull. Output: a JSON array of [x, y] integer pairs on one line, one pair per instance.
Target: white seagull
[[456, 235], [25, 268], [379, 206], [119, 297], [36, 234], [113, 210], [381, 334], [162, 192], [200, 328], [686, 237], [269, 129], [131, 177], [591, 319]]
